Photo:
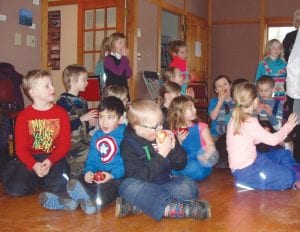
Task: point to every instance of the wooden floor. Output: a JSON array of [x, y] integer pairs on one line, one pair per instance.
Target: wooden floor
[[232, 210]]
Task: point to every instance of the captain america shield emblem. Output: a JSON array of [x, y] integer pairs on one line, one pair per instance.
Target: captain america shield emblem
[[107, 147]]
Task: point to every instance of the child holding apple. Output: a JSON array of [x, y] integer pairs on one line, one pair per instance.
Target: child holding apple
[[149, 159], [104, 165], [220, 108], [194, 137]]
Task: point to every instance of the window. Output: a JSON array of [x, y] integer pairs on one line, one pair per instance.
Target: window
[[279, 32]]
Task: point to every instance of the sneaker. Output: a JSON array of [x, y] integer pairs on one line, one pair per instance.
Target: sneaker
[[124, 208], [78, 193], [198, 209], [188, 209], [54, 202]]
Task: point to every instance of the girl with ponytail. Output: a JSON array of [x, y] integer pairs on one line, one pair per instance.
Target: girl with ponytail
[[273, 170]]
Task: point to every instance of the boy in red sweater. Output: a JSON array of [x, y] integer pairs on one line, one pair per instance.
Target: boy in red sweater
[[42, 135]]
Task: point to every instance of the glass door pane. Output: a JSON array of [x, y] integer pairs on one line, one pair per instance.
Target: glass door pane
[[89, 18], [111, 17]]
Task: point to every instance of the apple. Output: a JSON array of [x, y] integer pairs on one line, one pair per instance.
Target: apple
[[99, 176], [181, 130], [161, 136]]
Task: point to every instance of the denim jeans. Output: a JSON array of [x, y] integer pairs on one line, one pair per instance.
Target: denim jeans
[[194, 170], [271, 171], [153, 198], [101, 194], [19, 181]]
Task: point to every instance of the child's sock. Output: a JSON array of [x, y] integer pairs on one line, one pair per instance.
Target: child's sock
[[54, 202], [188, 209], [78, 193]]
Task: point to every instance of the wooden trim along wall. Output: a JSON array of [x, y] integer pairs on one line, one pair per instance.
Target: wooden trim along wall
[[44, 34], [131, 25], [62, 2], [262, 28], [209, 23]]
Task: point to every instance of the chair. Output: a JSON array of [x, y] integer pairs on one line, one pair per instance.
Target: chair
[[153, 83], [92, 93], [201, 98]]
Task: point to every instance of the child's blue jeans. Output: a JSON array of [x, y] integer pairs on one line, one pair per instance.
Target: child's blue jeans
[[153, 198], [194, 170], [270, 171]]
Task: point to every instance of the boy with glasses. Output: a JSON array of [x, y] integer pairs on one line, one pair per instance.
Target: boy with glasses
[[149, 159]]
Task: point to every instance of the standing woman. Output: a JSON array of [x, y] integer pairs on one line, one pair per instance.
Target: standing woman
[[293, 91]]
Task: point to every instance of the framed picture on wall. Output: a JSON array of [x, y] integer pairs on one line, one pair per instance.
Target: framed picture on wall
[[54, 32]]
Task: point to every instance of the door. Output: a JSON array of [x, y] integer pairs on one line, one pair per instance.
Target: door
[[197, 44], [97, 20]]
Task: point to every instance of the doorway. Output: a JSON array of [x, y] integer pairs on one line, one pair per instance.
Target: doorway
[[170, 30]]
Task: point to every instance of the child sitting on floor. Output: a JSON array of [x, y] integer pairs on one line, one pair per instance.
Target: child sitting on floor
[[149, 186], [103, 168], [175, 75], [275, 170], [42, 138], [168, 91], [82, 120], [268, 109], [194, 137]]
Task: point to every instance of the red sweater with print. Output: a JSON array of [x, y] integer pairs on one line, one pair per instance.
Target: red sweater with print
[[42, 132]]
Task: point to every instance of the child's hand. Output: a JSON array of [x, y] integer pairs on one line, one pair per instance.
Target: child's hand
[[125, 52], [259, 108], [88, 177], [268, 109], [46, 165], [293, 119], [190, 92], [107, 177], [38, 169], [164, 147], [223, 94], [181, 136], [93, 122], [93, 114]]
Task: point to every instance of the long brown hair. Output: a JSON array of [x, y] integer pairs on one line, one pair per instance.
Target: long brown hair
[[177, 110]]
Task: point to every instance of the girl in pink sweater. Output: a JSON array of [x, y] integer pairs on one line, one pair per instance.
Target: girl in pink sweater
[[274, 170]]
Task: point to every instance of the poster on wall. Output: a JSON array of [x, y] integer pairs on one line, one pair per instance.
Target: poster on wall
[[25, 17], [54, 20]]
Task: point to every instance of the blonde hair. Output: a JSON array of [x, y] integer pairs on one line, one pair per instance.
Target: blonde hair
[[167, 87], [110, 44], [104, 49], [73, 70], [116, 91], [169, 74], [269, 45], [244, 95], [140, 111], [177, 110], [30, 79]]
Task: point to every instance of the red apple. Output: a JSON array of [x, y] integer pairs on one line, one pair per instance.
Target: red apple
[[181, 130], [161, 136], [99, 176]]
